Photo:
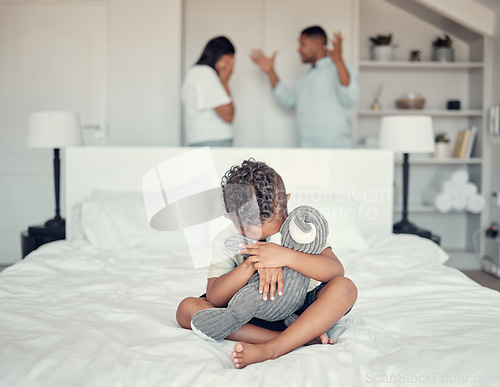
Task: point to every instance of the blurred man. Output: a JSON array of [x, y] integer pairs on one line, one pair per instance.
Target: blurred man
[[324, 96]]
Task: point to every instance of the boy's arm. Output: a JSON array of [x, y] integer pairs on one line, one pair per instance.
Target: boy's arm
[[220, 290], [271, 279], [321, 267]]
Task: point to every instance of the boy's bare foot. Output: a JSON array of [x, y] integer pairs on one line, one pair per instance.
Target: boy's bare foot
[[245, 354], [321, 339]]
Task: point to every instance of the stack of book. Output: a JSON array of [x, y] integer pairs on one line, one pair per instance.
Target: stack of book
[[464, 143]]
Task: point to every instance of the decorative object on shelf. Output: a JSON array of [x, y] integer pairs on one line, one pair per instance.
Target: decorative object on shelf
[[382, 49], [411, 101], [376, 106], [54, 129], [453, 192], [415, 55], [453, 104], [442, 145], [442, 49], [408, 134], [464, 143]]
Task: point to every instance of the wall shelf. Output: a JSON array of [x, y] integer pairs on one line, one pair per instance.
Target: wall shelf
[[450, 161], [417, 208], [370, 64], [425, 112], [427, 208], [468, 80]]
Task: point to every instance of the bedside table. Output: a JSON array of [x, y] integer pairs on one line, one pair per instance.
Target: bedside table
[[39, 235]]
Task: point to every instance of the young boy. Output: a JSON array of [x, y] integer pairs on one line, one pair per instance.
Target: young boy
[[326, 302]]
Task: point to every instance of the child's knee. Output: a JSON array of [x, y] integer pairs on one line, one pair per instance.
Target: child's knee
[[186, 310], [345, 287], [350, 290]]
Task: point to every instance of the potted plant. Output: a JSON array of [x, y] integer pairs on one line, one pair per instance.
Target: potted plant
[[442, 150], [442, 49], [382, 50]]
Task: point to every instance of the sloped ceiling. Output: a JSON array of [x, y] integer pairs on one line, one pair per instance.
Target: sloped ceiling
[[465, 19]]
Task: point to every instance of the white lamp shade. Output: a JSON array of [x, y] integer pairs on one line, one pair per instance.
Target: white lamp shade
[[54, 130], [407, 134]]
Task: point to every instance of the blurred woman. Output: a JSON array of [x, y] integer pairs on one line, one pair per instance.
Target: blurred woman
[[208, 106]]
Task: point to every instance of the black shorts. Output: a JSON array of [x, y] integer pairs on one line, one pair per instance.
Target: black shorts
[[279, 325]]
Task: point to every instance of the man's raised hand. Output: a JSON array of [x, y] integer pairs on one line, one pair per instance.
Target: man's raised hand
[[266, 63], [336, 52]]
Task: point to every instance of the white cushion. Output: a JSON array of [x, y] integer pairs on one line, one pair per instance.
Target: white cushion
[[112, 220]]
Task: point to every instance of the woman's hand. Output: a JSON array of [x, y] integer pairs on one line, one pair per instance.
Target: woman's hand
[[270, 278], [224, 68]]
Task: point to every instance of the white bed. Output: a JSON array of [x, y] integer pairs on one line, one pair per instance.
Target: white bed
[[88, 312]]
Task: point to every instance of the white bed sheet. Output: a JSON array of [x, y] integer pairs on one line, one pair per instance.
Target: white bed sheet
[[73, 316]]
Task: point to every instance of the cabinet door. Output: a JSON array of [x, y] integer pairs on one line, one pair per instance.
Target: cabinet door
[[270, 25]]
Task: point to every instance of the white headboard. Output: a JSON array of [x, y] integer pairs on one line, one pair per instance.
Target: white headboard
[[364, 175]]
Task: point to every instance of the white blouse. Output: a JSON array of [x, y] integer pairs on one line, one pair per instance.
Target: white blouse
[[202, 92]]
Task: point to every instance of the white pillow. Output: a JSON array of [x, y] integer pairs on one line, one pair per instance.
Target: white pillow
[[343, 221], [112, 220]]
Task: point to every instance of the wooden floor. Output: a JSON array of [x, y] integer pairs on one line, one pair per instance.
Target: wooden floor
[[485, 279], [480, 277]]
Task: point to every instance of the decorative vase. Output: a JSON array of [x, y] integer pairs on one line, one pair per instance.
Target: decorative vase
[[442, 150], [383, 53], [443, 54]]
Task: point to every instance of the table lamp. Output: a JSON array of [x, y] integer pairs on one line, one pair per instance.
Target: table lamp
[[54, 129], [408, 134]]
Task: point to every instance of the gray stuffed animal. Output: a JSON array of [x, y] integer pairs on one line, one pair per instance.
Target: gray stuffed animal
[[305, 230]]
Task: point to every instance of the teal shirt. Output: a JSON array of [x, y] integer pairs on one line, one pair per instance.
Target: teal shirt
[[323, 106]]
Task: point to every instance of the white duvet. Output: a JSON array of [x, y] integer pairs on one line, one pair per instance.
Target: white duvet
[[73, 316]]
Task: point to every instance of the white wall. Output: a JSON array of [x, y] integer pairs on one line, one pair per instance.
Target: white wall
[[270, 25], [144, 72]]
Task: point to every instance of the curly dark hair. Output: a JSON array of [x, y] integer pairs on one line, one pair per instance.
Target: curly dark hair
[[253, 192]]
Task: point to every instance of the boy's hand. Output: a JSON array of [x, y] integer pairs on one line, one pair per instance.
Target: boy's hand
[[265, 255], [267, 258], [269, 278]]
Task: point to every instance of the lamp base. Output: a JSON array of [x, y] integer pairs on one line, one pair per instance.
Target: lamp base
[[409, 228], [55, 223]]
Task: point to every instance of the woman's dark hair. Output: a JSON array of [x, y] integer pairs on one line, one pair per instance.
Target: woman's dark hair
[[315, 32], [214, 49], [254, 193]]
